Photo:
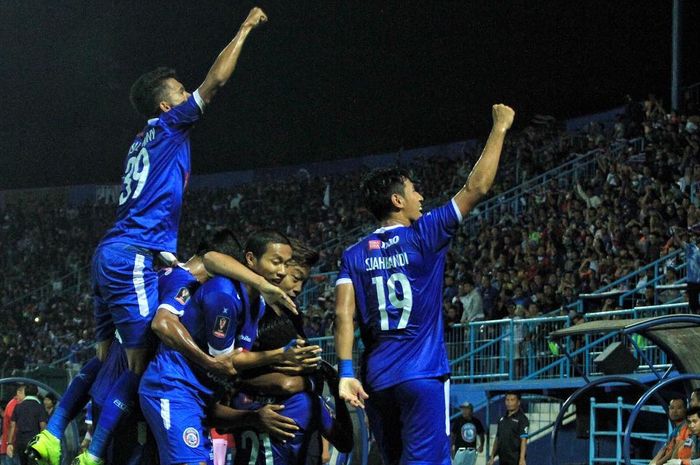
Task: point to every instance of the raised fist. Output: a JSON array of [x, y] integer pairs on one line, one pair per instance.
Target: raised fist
[[255, 18], [502, 116]]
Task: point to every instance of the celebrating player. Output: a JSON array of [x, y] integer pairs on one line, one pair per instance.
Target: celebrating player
[[394, 278]]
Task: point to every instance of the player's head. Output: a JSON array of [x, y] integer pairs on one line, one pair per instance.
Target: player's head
[[20, 393], [512, 401], [676, 409], [157, 91], [267, 253], [223, 241], [388, 192], [299, 268], [274, 331], [694, 420]]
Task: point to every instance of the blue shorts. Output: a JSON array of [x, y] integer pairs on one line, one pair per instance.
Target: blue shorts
[[125, 294], [178, 427], [410, 422]]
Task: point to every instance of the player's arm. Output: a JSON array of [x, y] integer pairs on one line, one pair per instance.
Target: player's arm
[[523, 450], [296, 352], [221, 264], [173, 333], [225, 63], [265, 420], [351, 389], [484, 172], [11, 439]]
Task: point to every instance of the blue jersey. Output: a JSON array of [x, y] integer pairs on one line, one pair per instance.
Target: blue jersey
[[213, 316], [175, 287], [310, 413], [155, 177], [397, 275]]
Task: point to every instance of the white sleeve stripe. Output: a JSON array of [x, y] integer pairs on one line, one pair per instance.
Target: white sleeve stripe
[[343, 281], [198, 99], [214, 352], [171, 309], [459, 213]]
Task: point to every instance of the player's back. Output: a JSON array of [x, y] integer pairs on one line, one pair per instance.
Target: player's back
[[397, 274], [156, 173]]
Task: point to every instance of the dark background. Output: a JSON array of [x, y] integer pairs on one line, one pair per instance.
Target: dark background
[[321, 80]]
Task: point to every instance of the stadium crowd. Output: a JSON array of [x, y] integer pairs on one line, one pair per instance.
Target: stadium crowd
[[568, 239]]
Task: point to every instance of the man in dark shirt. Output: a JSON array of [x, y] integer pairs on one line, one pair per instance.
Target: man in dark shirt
[[511, 437], [28, 419], [465, 431]]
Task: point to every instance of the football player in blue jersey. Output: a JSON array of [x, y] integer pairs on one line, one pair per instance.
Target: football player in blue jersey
[[298, 390], [148, 214], [177, 393], [393, 278]]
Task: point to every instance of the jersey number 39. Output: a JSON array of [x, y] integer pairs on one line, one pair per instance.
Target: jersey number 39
[[396, 302], [137, 168]]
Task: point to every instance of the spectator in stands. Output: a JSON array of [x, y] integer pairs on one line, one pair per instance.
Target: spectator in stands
[[676, 415], [28, 418], [689, 452], [470, 299]]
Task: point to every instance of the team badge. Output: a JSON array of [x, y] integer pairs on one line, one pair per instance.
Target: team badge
[[221, 326], [375, 245], [183, 295], [191, 437]]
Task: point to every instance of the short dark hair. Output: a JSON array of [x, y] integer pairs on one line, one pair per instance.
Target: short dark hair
[[31, 390], [378, 186], [303, 255], [512, 393], [223, 241], [257, 242], [693, 411], [52, 396], [147, 91], [274, 331]]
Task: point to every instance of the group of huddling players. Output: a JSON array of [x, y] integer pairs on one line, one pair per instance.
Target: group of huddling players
[[210, 343]]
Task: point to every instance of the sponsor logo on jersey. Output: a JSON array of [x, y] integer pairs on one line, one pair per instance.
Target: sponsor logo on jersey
[[221, 326], [245, 338], [183, 295], [375, 245], [191, 437]]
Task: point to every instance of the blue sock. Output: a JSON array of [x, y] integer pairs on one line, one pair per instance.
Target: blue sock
[[75, 398], [119, 402]]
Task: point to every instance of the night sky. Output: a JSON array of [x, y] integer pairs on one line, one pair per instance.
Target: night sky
[[321, 80]]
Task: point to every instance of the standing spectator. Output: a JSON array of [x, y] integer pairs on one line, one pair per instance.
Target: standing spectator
[[472, 305], [511, 437], [49, 403], [465, 431], [28, 419], [6, 420], [488, 297]]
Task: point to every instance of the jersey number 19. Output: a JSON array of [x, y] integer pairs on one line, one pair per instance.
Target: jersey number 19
[[403, 302]]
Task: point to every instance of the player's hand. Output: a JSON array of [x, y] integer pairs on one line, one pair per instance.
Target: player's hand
[[10, 450], [255, 18], [502, 116], [278, 426], [522, 462], [275, 296], [299, 354], [351, 390], [224, 364]]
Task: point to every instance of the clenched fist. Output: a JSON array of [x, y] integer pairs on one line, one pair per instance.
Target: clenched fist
[[502, 116], [255, 18]]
